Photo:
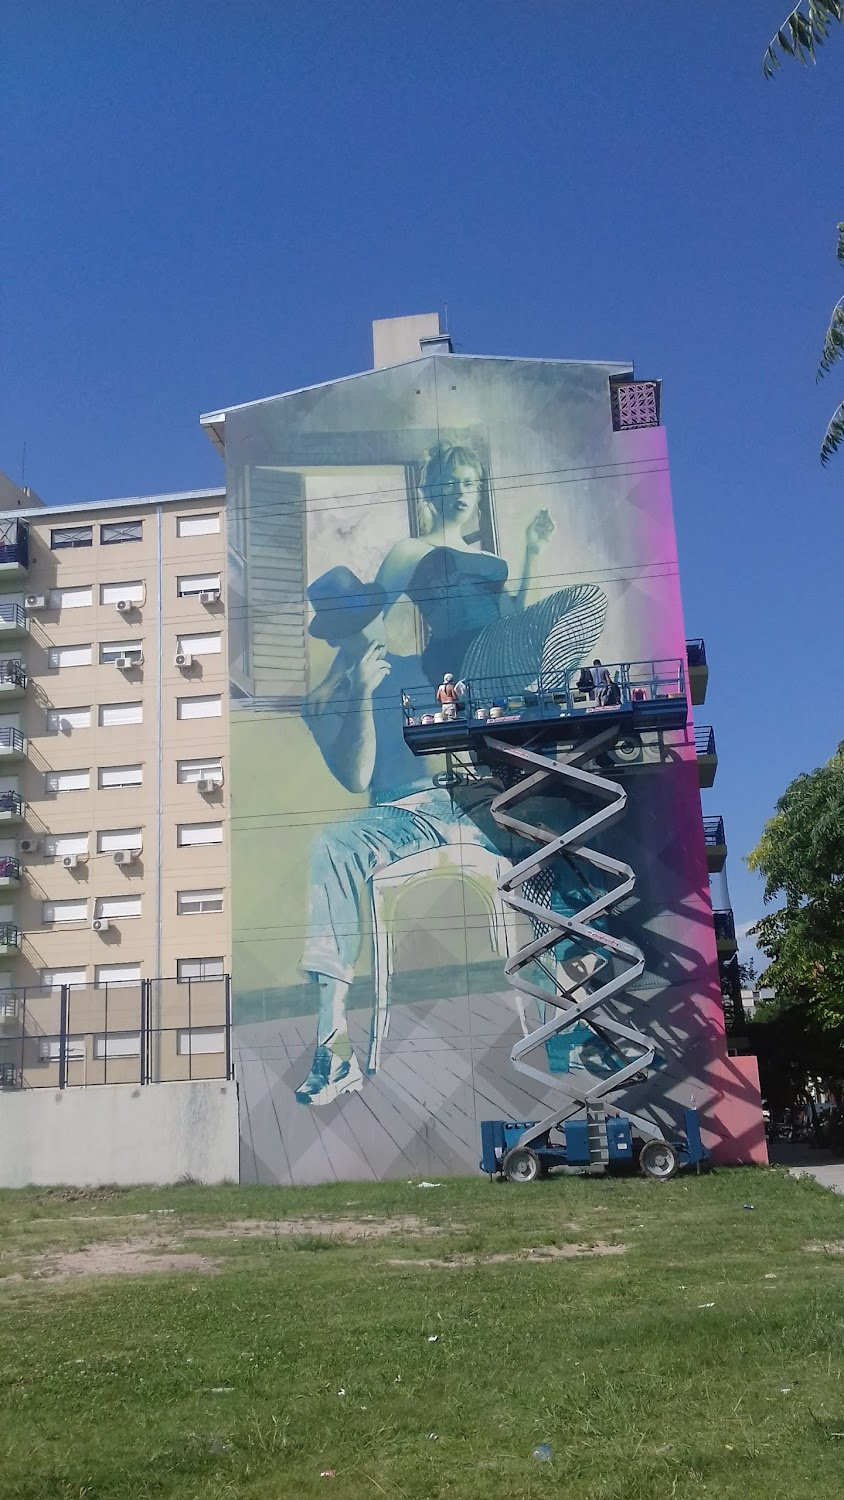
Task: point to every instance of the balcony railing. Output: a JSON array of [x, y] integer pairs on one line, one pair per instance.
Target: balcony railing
[[696, 652], [713, 831], [11, 739], [10, 868], [12, 617], [725, 925], [11, 804], [12, 673], [704, 739], [81, 1035], [635, 403], [10, 936], [14, 543]]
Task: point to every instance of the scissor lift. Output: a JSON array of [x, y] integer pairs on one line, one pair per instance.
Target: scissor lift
[[544, 738]]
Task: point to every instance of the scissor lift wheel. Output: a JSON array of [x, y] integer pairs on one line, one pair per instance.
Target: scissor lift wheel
[[521, 1165], [659, 1160]]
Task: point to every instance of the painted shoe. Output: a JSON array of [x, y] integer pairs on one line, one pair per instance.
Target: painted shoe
[[329, 1078]]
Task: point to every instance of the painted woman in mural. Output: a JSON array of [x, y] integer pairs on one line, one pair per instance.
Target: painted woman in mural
[[478, 627]]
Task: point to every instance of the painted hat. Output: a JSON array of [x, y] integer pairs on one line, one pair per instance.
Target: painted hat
[[343, 605]]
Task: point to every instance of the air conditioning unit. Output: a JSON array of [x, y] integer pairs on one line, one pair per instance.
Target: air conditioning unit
[[125, 606], [209, 596], [125, 856], [101, 924], [29, 846], [207, 784], [70, 861], [36, 601], [184, 660], [126, 663]]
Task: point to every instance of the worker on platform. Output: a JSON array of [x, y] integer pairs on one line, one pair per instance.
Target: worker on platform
[[447, 696]]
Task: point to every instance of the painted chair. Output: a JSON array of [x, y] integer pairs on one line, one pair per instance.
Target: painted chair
[[479, 868]]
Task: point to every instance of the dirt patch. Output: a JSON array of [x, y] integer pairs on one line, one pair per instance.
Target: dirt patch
[[121, 1258], [828, 1247], [337, 1229], [542, 1253]]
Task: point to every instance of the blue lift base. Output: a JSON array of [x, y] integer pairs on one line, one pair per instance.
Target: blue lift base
[[574, 1145]]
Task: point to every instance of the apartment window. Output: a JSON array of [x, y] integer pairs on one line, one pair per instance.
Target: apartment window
[[49, 1049], [70, 656], [64, 720], [195, 903], [68, 781], [197, 583], [71, 536], [208, 644], [119, 776], [134, 592], [121, 531], [204, 707], [199, 833], [110, 650], [53, 979], [75, 598], [64, 911], [114, 715], [202, 525], [191, 969], [116, 974], [117, 1044], [58, 845], [200, 1041], [197, 770], [118, 907], [111, 840]]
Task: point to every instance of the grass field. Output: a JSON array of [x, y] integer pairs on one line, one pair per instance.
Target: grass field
[[701, 1358]]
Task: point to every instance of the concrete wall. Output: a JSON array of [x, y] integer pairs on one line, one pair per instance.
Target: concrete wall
[[118, 1134]]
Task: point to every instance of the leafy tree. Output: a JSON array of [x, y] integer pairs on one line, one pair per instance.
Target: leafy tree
[[801, 856], [803, 31]]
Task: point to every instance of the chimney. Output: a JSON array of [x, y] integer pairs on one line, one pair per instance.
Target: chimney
[[396, 340]]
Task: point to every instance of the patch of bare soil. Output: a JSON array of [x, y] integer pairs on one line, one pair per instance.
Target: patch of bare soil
[[828, 1247], [338, 1229], [122, 1258], [542, 1253]]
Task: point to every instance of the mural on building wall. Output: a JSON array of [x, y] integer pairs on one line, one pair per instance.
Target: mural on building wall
[[459, 517]]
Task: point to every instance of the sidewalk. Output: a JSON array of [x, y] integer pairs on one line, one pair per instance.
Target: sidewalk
[[802, 1160]]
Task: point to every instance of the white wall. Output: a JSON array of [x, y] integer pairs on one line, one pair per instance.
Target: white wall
[[117, 1133]]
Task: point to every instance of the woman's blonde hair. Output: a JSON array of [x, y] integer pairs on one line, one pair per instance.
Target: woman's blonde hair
[[440, 461]]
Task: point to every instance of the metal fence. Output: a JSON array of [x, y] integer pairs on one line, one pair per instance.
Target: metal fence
[[704, 739], [725, 924], [155, 1031], [14, 543], [713, 830]]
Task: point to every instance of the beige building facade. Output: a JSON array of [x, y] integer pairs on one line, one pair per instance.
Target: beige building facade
[[113, 791]]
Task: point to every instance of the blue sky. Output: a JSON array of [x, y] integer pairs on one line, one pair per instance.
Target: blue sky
[[207, 203]]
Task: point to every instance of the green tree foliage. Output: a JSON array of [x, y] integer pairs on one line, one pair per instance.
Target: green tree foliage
[[803, 31], [801, 856]]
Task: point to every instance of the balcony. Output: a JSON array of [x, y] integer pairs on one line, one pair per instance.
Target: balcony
[[13, 679], [10, 872], [13, 624], [716, 843], [12, 744], [725, 933], [10, 938], [707, 755], [14, 549], [12, 808], [698, 670]]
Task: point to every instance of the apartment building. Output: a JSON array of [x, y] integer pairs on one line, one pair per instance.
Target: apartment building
[[113, 793]]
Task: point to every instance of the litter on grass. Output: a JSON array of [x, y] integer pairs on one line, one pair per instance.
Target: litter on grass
[[706, 1304], [543, 1452], [429, 1184], [432, 1338]]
